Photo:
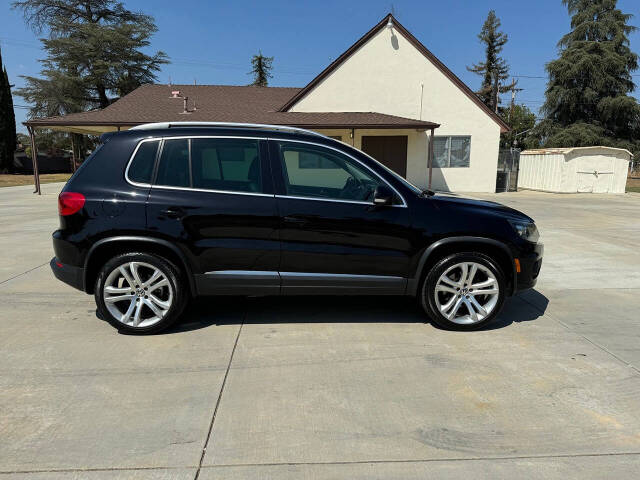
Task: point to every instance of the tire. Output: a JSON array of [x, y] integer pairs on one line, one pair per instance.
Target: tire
[[440, 296], [127, 305]]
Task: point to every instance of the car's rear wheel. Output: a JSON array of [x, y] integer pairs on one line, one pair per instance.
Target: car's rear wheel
[[464, 291], [139, 293]]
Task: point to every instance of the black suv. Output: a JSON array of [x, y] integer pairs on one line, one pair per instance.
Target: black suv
[[165, 212]]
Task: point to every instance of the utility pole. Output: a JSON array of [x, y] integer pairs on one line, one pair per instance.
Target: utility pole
[[513, 89], [496, 90]]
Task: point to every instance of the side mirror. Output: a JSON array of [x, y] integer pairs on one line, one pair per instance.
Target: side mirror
[[383, 195]]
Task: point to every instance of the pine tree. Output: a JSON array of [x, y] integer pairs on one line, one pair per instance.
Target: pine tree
[[587, 97], [494, 69], [7, 122], [94, 51], [261, 70]]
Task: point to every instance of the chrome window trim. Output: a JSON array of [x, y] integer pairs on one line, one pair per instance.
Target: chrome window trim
[[189, 189], [230, 192], [133, 155], [206, 190], [320, 199], [404, 203]]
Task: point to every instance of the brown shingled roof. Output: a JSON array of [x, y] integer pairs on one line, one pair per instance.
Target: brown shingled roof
[[221, 103]]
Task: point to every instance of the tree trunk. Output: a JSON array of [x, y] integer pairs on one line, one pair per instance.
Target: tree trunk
[[102, 96], [494, 92]]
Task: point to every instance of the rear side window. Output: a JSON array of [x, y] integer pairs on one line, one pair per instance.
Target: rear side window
[[141, 166], [173, 168], [227, 164]]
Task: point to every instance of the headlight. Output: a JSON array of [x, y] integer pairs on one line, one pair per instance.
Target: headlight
[[526, 230]]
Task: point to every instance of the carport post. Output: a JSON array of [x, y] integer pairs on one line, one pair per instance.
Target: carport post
[[73, 155], [34, 160], [430, 156]]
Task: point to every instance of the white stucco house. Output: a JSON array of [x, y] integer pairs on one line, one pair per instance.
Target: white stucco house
[[385, 95]]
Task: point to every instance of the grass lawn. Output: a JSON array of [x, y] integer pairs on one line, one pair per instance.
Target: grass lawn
[[633, 184], [13, 180]]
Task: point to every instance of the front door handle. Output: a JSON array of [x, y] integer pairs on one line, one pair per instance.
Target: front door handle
[[173, 212]]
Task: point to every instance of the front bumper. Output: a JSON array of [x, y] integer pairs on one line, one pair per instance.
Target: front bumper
[[69, 274], [530, 264]]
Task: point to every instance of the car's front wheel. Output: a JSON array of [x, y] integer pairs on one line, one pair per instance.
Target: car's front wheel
[[139, 293], [464, 291]]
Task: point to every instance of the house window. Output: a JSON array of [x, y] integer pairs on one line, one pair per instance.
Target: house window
[[451, 152]]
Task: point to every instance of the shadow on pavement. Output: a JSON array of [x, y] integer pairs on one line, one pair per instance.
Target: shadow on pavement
[[207, 311], [524, 307]]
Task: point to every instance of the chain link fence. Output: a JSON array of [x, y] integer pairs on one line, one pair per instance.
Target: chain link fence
[[508, 165]]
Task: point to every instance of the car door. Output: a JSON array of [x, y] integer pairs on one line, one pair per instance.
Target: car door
[[333, 238], [213, 196]]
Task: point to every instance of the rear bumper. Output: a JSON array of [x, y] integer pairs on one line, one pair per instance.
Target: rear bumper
[[530, 265], [68, 274]]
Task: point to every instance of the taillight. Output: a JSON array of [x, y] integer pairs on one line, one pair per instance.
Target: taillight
[[70, 203]]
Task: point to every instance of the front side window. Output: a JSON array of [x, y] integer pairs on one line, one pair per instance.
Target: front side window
[[141, 167], [333, 176], [226, 164], [451, 152]]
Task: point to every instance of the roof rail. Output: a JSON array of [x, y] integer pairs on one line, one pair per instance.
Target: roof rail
[[284, 128]]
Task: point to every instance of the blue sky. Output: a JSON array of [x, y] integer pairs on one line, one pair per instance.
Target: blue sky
[[213, 41]]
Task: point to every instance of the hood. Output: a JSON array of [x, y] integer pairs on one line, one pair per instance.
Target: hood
[[480, 205]]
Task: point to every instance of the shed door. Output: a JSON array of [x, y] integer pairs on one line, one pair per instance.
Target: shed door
[[595, 174], [390, 151]]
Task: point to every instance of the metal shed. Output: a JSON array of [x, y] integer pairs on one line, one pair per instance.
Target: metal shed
[[575, 170]]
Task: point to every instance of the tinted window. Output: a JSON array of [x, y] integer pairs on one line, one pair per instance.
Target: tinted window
[[173, 169], [141, 166], [226, 164], [332, 176]]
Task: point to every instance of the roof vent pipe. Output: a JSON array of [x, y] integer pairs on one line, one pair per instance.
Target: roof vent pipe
[[175, 94], [184, 103]]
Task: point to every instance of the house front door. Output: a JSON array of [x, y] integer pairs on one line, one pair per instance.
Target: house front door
[[391, 151]]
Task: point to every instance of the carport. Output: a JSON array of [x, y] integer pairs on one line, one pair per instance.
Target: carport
[[232, 104]]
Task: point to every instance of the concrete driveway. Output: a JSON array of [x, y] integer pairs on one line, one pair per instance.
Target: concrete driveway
[[330, 388]]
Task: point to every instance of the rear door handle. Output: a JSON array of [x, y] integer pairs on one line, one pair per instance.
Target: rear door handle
[[173, 212]]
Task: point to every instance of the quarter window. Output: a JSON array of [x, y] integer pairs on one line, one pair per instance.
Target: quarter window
[[451, 152], [226, 164], [173, 169], [141, 166], [334, 176]]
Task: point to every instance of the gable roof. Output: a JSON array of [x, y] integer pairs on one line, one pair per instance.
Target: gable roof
[[419, 46], [219, 103]]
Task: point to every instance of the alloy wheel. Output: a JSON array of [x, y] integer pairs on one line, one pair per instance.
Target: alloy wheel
[[466, 293], [137, 294]]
